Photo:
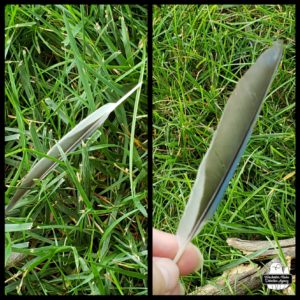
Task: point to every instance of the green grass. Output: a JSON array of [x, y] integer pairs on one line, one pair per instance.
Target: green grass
[[199, 53], [61, 63]]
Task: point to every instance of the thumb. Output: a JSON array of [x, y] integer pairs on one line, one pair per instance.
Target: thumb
[[165, 276]]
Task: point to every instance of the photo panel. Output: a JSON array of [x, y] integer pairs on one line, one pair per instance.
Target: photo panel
[[76, 153], [217, 147]]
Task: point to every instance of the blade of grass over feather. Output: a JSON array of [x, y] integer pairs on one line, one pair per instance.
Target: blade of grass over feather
[[227, 145], [68, 143], [132, 136]]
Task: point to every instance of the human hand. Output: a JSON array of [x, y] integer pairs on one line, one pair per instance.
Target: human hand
[[165, 272]]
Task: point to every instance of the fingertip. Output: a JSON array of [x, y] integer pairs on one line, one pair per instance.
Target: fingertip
[[191, 260], [199, 265]]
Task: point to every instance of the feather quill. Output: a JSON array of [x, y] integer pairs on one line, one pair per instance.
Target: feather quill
[[68, 143], [228, 144]]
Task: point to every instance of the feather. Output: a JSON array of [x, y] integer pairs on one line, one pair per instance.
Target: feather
[[228, 144], [68, 143]]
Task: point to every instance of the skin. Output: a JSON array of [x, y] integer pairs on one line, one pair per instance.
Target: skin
[[165, 272]]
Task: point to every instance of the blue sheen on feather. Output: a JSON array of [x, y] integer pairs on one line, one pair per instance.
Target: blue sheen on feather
[[270, 57], [225, 183]]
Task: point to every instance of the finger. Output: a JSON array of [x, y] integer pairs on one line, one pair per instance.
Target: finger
[[166, 245], [191, 260], [165, 276]]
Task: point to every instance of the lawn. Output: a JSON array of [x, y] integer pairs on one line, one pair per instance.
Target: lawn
[[199, 53], [82, 230]]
